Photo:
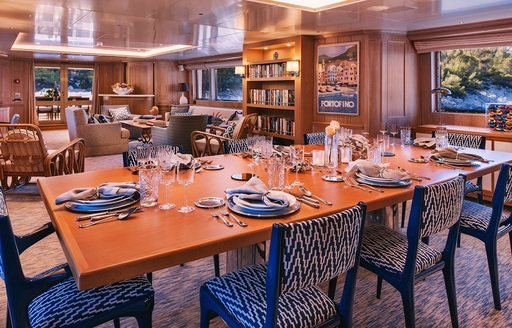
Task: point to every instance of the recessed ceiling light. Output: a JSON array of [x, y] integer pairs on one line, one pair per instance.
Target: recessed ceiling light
[[288, 44], [309, 5], [3, 54], [461, 22], [266, 48], [377, 8]]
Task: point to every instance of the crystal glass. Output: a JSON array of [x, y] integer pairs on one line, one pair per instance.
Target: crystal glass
[[185, 176], [375, 153], [383, 128], [148, 185], [297, 158], [345, 154], [275, 171], [288, 165], [318, 157], [393, 130], [442, 137], [266, 147], [167, 163], [405, 135], [331, 151]]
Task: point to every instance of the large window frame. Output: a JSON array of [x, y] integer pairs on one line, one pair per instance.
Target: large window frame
[[213, 94]]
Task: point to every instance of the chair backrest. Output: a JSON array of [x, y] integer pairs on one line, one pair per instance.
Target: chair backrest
[[22, 150], [15, 119], [245, 126], [502, 195], [147, 152], [314, 138], [306, 253], [232, 146], [17, 287], [180, 128], [465, 140], [104, 108], [179, 109], [434, 208], [75, 117]]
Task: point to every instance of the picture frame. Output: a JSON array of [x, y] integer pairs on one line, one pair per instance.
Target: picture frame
[[337, 78]]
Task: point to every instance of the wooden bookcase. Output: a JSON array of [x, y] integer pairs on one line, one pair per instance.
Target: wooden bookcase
[[283, 101]]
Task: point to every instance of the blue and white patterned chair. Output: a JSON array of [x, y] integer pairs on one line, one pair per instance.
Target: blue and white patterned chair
[[489, 224], [402, 260], [53, 300], [284, 293], [314, 138], [232, 146]]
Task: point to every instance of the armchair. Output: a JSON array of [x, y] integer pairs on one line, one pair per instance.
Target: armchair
[[100, 139], [178, 132], [24, 155], [212, 143]]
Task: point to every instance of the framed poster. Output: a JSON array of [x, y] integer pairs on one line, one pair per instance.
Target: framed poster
[[337, 77]]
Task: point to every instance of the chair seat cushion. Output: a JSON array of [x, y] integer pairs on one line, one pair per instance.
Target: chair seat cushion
[[125, 133], [471, 187], [243, 294], [476, 216], [64, 305], [386, 249], [201, 144]]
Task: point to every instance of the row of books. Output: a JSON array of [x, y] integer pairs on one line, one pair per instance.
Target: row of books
[[276, 124], [274, 97], [267, 70]]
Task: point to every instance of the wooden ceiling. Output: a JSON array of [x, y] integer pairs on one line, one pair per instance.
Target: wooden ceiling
[[214, 26]]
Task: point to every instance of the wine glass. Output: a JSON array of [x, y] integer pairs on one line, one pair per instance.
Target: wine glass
[[185, 176], [297, 160], [288, 165], [251, 144], [266, 148], [383, 128], [167, 164], [394, 131]]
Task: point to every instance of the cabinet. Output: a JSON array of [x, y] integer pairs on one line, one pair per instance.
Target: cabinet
[[281, 94]]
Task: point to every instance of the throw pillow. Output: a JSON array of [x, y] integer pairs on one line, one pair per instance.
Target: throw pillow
[[92, 120], [235, 116], [101, 118], [228, 133], [182, 114], [120, 113]]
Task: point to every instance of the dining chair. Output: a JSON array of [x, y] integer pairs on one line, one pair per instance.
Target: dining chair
[[232, 146], [402, 260], [314, 138], [489, 224], [130, 157], [178, 131], [284, 293], [53, 300]]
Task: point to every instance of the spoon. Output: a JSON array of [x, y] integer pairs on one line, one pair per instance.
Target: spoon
[[308, 193], [121, 216], [218, 216], [226, 213]]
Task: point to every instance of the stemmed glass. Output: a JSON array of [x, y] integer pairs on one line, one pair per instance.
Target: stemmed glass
[[185, 176], [167, 164], [383, 128], [288, 165], [394, 131], [266, 148], [252, 145], [297, 160]]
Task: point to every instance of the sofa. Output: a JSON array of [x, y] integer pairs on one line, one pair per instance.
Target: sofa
[[100, 139], [225, 113]]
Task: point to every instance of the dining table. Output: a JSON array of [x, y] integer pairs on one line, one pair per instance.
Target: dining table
[[156, 239]]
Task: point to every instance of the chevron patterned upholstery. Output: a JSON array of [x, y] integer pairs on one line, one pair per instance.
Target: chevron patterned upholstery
[[232, 146], [315, 138], [387, 249], [471, 187], [477, 216], [466, 140], [327, 244], [508, 188], [440, 213], [63, 305], [244, 296], [146, 152]]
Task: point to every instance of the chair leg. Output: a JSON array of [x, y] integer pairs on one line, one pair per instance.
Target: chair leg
[[458, 240], [404, 205], [332, 288], [492, 261], [510, 240], [149, 276], [8, 323], [449, 281], [145, 320], [379, 286], [480, 197], [117, 323], [408, 303], [216, 265]]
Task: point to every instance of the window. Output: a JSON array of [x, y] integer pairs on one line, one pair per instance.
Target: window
[[217, 84], [202, 84], [228, 85], [475, 77]]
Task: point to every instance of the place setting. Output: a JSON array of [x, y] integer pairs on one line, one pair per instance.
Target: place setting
[[449, 156], [368, 175]]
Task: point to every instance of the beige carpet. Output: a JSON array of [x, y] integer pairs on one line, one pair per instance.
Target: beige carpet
[[177, 288]]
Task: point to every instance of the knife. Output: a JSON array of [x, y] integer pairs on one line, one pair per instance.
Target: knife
[[308, 202]]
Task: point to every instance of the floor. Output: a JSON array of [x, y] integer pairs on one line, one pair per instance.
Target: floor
[[177, 288]]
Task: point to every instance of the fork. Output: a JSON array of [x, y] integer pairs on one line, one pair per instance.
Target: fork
[[352, 183], [219, 216], [364, 185], [237, 220]]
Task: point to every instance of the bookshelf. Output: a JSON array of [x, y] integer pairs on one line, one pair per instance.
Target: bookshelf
[[282, 99]]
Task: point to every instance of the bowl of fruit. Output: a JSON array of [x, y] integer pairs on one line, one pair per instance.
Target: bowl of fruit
[[122, 88]]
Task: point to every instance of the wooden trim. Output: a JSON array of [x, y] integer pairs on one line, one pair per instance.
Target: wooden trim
[[224, 104]]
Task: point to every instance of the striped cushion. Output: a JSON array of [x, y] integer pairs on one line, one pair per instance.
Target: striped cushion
[[314, 138], [386, 249], [243, 294], [476, 216], [64, 305]]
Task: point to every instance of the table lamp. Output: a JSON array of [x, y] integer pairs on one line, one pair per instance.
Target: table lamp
[[183, 87]]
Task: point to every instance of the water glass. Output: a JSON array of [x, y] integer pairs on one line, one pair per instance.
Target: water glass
[[442, 137], [331, 151], [375, 153], [405, 135], [275, 170], [345, 154], [318, 157], [185, 176], [167, 164], [149, 176]]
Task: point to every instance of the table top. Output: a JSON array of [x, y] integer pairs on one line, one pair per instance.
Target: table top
[[156, 239], [488, 133]]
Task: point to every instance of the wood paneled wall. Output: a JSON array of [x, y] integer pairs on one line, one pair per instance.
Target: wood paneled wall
[[9, 71], [388, 88]]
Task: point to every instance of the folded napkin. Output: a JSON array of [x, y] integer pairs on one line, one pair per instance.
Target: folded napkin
[[359, 139], [451, 153], [377, 171], [104, 191], [255, 190], [425, 142]]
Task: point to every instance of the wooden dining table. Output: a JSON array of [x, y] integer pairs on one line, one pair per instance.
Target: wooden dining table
[[156, 239]]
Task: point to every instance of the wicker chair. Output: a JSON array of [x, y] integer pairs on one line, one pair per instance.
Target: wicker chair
[[24, 155], [211, 143]]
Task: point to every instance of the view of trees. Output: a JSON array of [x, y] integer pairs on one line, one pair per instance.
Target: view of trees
[[229, 85], [476, 77], [79, 80]]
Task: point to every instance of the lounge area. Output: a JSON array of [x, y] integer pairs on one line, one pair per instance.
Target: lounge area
[[256, 164]]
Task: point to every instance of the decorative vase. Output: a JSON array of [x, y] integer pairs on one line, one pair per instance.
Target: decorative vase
[[331, 151]]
